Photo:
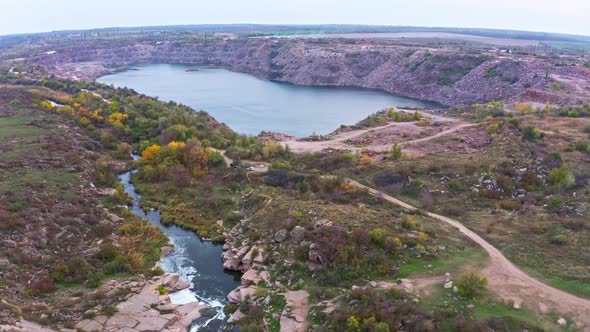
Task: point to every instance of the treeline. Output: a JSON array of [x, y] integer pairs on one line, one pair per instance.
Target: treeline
[[177, 139]]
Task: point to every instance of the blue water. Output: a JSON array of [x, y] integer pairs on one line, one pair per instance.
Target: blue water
[[249, 105], [196, 261]]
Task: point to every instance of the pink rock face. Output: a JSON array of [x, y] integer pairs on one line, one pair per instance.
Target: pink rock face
[[250, 277], [240, 293], [294, 316], [147, 310]]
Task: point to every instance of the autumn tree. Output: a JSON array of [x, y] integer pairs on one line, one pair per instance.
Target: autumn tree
[[149, 153], [196, 158]]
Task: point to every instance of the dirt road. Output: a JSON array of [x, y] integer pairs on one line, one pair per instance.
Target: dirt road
[[260, 167], [508, 281], [339, 140]]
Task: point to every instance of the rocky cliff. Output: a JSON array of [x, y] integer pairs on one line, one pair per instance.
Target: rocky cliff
[[447, 76]]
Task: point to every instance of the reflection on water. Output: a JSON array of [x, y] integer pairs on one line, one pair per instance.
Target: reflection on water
[[196, 261]]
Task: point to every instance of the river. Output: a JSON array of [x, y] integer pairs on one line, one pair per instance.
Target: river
[[195, 260], [248, 104]]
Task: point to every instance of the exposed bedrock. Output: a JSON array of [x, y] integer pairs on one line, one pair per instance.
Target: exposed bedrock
[[445, 76]]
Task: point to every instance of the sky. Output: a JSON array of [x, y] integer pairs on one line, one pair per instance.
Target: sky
[[564, 16]]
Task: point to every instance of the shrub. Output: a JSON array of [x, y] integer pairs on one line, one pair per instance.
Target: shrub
[[559, 239], [556, 156], [495, 127], [562, 177], [408, 222], [472, 284], [514, 122], [582, 147], [59, 272], [554, 203], [162, 290], [396, 152], [455, 185], [109, 310], [530, 133], [377, 236], [118, 265], [107, 252], [509, 205], [94, 279]]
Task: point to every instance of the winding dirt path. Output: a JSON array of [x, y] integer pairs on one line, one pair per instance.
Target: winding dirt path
[[339, 140], [387, 147], [505, 279]]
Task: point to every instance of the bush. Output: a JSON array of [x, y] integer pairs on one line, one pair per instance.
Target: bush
[[455, 185], [94, 279], [472, 285], [582, 147], [396, 152], [162, 290], [530, 133], [562, 177], [554, 203], [377, 236], [118, 265], [109, 310], [509, 205], [408, 222], [107, 252]]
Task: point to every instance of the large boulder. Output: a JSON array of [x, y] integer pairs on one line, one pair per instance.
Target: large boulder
[[280, 236], [297, 234]]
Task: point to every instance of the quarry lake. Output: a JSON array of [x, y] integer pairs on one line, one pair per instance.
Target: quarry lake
[[249, 104]]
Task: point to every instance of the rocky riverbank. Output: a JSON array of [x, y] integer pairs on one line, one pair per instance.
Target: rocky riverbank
[[257, 289], [147, 307]]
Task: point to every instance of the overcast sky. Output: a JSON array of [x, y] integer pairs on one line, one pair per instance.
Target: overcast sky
[[566, 16]]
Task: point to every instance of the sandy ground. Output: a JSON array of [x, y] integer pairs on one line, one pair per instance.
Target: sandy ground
[[508, 281], [379, 139]]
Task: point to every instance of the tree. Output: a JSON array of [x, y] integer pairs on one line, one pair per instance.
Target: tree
[[196, 158], [116, 119], [149, 153], [396, 152]]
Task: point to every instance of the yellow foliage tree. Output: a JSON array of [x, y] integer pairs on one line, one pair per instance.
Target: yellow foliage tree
[[353, 324], [117, 119], [97, 115], [149, 153], [196, 158], [177, 145]]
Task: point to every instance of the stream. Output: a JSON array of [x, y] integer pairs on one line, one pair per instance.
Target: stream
[[196, 261]]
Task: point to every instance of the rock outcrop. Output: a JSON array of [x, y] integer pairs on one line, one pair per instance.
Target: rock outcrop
[[146, 309], [293, 317], [446, 76]]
